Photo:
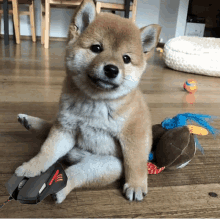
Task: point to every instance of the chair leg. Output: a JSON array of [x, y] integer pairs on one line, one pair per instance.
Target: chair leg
[[98, 7], [42, 21], [0, 20], [47, 23], [32, 21], [134, 11], [16, 20]]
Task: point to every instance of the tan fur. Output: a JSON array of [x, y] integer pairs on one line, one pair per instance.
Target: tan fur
[[105, 131], [135, 135]]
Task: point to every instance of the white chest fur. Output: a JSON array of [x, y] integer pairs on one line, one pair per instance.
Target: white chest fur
[[92, 122]]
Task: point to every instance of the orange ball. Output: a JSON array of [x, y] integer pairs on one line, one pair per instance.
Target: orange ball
[[190, 85]]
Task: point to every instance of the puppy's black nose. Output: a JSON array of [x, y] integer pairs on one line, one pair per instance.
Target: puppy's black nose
[[111, 71]]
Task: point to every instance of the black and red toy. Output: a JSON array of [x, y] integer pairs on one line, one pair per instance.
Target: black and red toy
[[34, 189]]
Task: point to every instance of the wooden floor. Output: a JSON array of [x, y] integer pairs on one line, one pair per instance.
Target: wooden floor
[[30, 83]]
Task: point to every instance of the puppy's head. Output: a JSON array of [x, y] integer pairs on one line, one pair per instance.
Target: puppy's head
[[106, 54]]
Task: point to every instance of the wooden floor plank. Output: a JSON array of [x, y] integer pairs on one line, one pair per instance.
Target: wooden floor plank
[[173, 201]]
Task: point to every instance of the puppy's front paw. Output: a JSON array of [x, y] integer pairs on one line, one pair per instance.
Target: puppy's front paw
[[59, 197], [133, 193], [29, 169]]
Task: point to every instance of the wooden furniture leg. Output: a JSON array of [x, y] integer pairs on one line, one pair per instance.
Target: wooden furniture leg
[[0, 18], [47, 24], [16, 20], [98, 7], [42, 21], [32, 21], [134, 11]]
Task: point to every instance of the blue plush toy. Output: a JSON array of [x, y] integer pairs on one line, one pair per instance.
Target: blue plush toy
[[175, 141], [186, 119]]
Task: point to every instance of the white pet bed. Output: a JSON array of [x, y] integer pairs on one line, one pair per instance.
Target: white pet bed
[[200, 55]]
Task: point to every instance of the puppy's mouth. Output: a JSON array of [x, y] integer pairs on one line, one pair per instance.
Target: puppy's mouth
[[103, 84]]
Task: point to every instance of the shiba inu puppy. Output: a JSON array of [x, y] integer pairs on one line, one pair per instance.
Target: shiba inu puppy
[[103, 127]]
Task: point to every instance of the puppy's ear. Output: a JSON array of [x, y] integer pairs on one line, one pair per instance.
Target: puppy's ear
[[83, 16], [150, 37]]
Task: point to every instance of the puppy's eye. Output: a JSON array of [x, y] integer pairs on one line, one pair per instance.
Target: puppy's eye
[[126, 59], [96, 48]]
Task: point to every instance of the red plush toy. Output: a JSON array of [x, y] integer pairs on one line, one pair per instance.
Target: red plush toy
[[152, 169]]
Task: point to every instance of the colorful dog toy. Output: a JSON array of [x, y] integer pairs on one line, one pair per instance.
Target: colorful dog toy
[[158, 49], [190, 85], [175, 141], [152, 168]]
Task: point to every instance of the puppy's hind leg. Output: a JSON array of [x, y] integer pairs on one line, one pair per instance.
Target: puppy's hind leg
[[93, 170], [39, 127]]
